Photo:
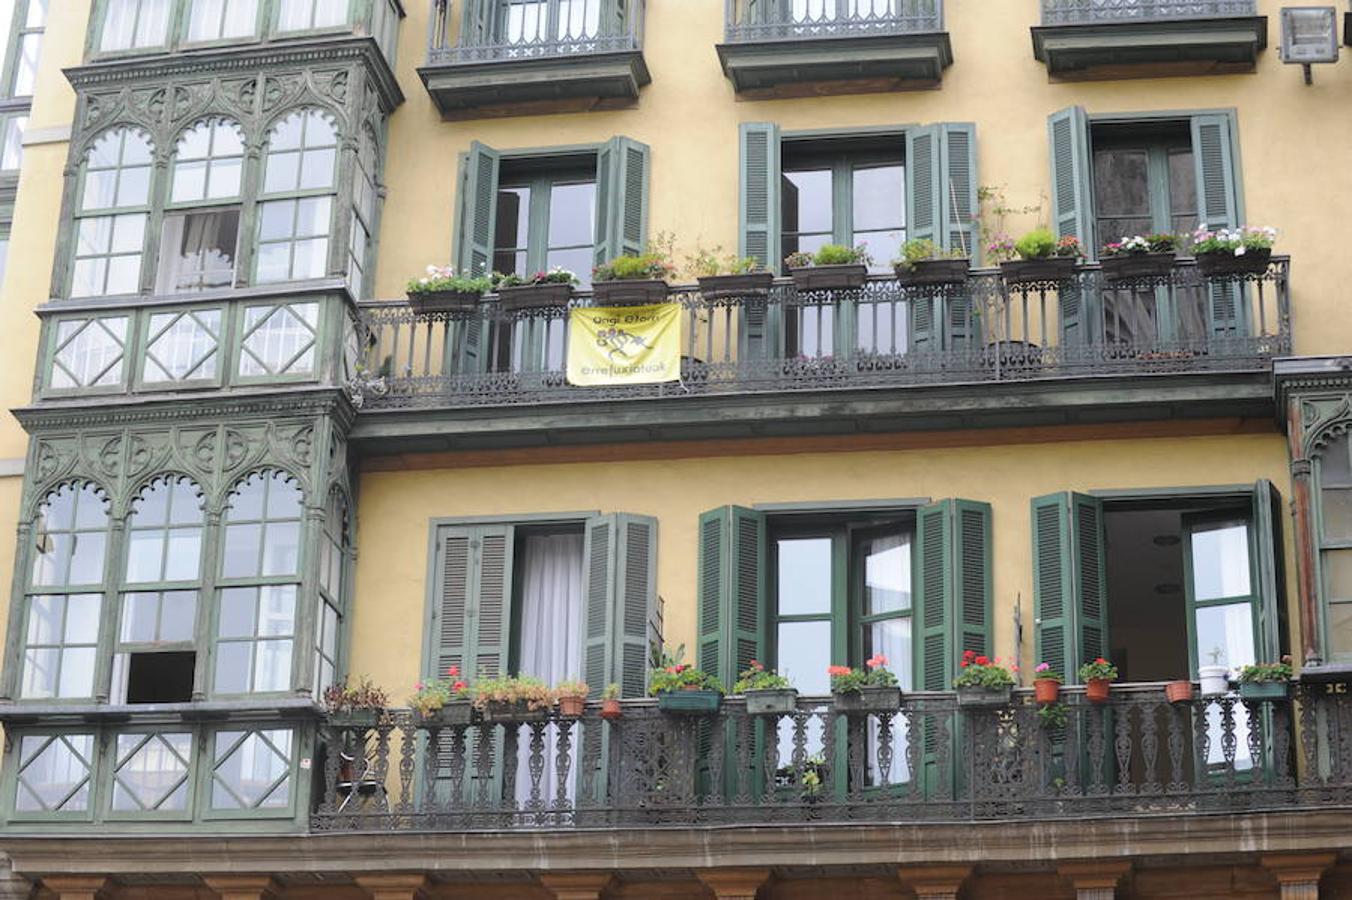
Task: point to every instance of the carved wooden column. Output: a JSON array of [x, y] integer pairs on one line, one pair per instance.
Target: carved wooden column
[[76, 887], [1094, 880], [1298, 874], [243, 887], [1303, 519], [734, 884], [577, 885], [934, 882], [402, 886]]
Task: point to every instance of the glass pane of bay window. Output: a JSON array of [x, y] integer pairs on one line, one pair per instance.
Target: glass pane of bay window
[[198, 250]]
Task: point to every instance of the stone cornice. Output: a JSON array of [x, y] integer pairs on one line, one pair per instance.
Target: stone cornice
[[263, 403], [219, 60]]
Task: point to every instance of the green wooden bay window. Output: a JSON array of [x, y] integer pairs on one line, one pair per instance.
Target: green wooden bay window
[[22, 26], [1333, 525]]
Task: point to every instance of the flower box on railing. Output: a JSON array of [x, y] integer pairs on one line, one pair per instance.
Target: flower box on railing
[[933, 272], [630, 292], [356, 718], [1218, 265], [1264, 690], [457, 712], [1134, 266], [773, 701], [515, 711], [984, 696], [718, 287], [535, 296], [829, 278], [689, 703], [871, 699], [443, 301], [1030, 271]]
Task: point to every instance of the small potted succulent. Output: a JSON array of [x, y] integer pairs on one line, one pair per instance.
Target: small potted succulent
[[983, 681], [1098, 677], [443, 701], [925, 263], [1179, 691], [543, 290], [767, 692], [872, 689], [512, 698], [1233, 251], [1266, 681], [635, 280], [1046, 683], [360, 705], [442, 289], [572, 696], [833, 267], [1139, 257], [610, 702], [682, 689], [721, 276], [1215, 678], [1042, 258]]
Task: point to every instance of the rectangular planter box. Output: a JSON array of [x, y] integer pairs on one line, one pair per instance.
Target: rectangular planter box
[[868, 700], [630, 293], [1213, 265], [934, 272], [535, 296], [1131, 266], [716, 287], [443, 301], [828, 278], [457, 712], [689, 703], [1264, 690], [512, 712], [770, 702], [983, 696], [1028, 271], [359, 718]]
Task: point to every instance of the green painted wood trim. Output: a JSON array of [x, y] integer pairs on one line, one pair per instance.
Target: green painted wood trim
[[1174, 493], [902, 504]]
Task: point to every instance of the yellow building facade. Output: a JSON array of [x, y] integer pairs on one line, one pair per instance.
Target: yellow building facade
[[242, 467]]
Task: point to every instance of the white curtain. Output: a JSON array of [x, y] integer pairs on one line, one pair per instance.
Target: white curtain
[[551, 640]]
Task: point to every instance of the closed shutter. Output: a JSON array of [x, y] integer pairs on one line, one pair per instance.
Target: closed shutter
[[731, 591], [620, 592], [1268, 544], [1213, 152], [1070, 586], [621, 199], [1073, 213], [761, 218], [478, 209]]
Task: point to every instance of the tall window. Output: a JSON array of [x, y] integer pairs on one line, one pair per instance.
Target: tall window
[[156, 654], [217, 20], [364, 203], [12, 128], [543, 21], [295, 216], [70, 540], [545, 221], [1335, 533], [300, 15], [135, 24], [22, 23], [334, 551], [260, 569], [201, 226], [111, 222]]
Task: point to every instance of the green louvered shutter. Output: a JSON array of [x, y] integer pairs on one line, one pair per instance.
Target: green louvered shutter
[[972, 577], [924, 204], [957, 163], [472, 611], [598, 597], [731, 591], [760, 211], [620, 591], [450, 605], [1052, 588], [621, 199], [1091, 577], [1268, 544], [478, 209], [1073, 211], [1213, 151], [934, 587]]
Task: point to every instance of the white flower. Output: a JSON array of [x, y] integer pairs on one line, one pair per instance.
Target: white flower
[[1239, 251], [431, 270], [423, 280]]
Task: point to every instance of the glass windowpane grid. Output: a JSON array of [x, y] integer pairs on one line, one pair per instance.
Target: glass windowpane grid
[[22, 46], [54, 772], [60, 647], [215, 20], [89, 353], [183, 346], [279, 340], [251, 769], [135, 24], [301, 15], [151, 772]]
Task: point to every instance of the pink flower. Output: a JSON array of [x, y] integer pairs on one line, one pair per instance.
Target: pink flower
[[453, 671], [877, 661], [838, 670], [418, 687], [1042, 667]]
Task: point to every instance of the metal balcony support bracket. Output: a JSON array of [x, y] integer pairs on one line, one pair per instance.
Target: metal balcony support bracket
[[577, 885], [735, 884], [401, 886], [1094, 880], [934, 882], [77, 887], [1298, 874], [243, 887]]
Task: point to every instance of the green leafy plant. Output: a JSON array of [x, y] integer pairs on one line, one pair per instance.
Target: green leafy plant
[[1139, 244], [363, 695], [571, 688], [445, 278], [611, 692], [430, 696], [1233, 241], [920, 250], [758, 678], [1098, 669], [511, 690], [1039, 243], [845, 680], [556, 275], [1265, 673], [710, 263], [1045, 672], [1052, 715], [672, 674], [831, 255], [634, 268], [992, 212], [980, 671]]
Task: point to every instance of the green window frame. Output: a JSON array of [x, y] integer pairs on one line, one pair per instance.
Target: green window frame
[[335, 554], [88, 354], [843, 167], [202, 217], [541, 191], [258, 612], [218, 21], [134, 26], [151, 771], [1333, 527], [297, 198], [312, 15], [182, 347], [21, 41], [365, 209], [113, 214], [12, 128], [52, 775]]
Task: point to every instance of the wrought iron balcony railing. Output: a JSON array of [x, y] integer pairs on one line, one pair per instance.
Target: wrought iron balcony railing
[[496, 30], [881, 335], [1082, 12], [767, 20], [933, 760]]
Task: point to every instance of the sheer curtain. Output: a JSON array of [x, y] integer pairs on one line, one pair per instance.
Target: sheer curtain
[[551, 638]]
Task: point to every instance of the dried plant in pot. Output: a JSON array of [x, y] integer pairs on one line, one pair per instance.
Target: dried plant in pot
[[833, 267], [1098, 677], [983, 681], [360, 705], [766, 691], [443, 289], [443, 701], [572, 696], [512, 698], [610, 703], [870, 689]]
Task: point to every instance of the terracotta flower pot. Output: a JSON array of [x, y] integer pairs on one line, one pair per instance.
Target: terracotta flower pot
[[1178, 691], [610, 709], [1046, 690], [571, 707], [1096, 689]]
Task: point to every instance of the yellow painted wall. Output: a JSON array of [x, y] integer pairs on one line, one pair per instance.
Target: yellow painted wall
[[397, 507]]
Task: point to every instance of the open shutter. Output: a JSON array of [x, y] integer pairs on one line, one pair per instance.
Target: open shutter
[[476, 22], [759, 236], [1073, 212], [924, 202], [472, 612], [450, 605], [953, 582], [620, 589], [1213, 152], [621, 199], [731, 591], [957, 164], [1268, 543], [1091, 577], [1070, 587], [972, 577], [935, 590], [478, 209]]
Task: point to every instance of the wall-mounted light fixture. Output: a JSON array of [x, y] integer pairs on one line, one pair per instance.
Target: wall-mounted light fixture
[[1309, 35]]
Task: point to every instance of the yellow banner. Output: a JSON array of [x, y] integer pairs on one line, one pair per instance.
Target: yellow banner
[[624, 344]]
